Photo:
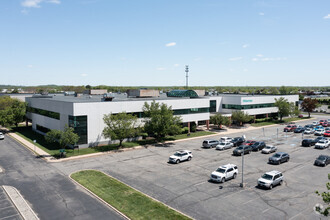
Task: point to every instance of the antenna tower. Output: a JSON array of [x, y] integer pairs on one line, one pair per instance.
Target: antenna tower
[[187, 71]]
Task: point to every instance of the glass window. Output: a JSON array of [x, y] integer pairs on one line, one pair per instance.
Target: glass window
[[213, 105], [79, 124], [240, 107], [46, 113]]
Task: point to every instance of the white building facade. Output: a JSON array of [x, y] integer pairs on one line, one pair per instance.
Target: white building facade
[[85, 114]]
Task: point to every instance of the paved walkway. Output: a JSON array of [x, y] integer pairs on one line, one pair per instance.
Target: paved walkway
[[49, 158], [21, 205]]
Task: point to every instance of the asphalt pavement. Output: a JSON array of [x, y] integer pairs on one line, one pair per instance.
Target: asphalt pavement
[[47, 190]]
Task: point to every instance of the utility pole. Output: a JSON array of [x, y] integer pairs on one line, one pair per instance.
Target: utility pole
[[187, 71]]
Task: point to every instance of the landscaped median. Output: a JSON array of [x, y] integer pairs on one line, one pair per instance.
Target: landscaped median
[[53, 149], [130, 202], [263, 122]]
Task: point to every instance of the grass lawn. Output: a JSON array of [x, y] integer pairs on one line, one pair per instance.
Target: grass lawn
[[53, 149], [132, 203], [285, 120]]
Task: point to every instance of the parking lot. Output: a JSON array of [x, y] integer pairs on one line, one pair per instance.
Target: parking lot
[[186, 186], [7, 208]]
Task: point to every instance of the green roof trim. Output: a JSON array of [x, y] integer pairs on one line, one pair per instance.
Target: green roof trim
[[182, 93]]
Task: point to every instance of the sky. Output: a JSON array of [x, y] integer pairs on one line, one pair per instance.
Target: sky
[[149, 42]]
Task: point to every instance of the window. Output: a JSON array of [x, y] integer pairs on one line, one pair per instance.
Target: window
[[42, 128], [213, 105], [230, 169], [79, 124], [240, 107], [46, 113]]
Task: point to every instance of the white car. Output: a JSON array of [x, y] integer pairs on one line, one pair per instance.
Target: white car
[[309, 131], [315, 123], [224, 173], [225, 139], [322, 144], [2, 136], [224, 146], [319, 132], [269, 149], [270, 179], [180, 156]]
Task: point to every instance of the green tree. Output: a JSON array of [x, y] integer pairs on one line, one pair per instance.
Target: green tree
[[326, 199], [294, 111], [12, 111], [283, 107], [64, 138], [119, 126], [309, 105], [284, 90], [241, 117], [219, 120], [160, 120]]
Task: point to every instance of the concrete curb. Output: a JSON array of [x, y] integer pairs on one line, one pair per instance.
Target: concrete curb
[[127, 186], [23, 208]]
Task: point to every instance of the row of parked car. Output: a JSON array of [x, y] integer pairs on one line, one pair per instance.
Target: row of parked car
[[317, 128]]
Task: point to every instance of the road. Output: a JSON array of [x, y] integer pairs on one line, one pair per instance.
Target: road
[[48, 190]]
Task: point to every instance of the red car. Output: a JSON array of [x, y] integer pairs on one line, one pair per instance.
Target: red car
[[321, 122], [326, 133], [290, 128], [325, 124], [248, 142]]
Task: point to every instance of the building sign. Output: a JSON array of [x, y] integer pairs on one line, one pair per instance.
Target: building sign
[[247, 100]]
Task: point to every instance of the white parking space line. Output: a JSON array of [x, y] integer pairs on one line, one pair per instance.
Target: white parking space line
[[197, 184], [265, 210]]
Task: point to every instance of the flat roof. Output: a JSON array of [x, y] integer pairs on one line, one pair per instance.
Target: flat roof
[[117, 98]]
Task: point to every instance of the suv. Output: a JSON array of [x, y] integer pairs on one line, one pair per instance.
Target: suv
[[322, 144], [180, 156], [246, 149], [210, 143], [224, 173], [258, 146], [225, 139], [270, 179], [309, 131], [319, 132], [307, 142], [279, 157], [2, 136], [237, 141]]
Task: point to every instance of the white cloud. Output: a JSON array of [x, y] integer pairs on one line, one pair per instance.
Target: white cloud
[[84, 74], [197, 59], [259, 55], [176, 65], [261, 13], [327, 16], [161, 68], [266, 59], [246, 45], [31, 3], [235, 58], [170, 44], [245, 70], [36, 3], [29, 66]]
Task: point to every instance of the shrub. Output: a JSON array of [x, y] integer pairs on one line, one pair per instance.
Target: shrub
[[185, 130]]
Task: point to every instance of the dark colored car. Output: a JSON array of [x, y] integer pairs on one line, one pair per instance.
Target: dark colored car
[[237, 141], [279, 157], [322, 160], [248, 142], [325, 124], [246, 149], [299, 130], [258, 146], [308, 142], [308, 126], [290, 128], [318, 139], [300, 116]]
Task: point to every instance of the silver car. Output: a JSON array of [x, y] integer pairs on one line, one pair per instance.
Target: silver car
[[269, 149], [2, 136], [224, 146]]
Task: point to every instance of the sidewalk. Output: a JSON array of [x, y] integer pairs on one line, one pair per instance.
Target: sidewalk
[[41, 153]]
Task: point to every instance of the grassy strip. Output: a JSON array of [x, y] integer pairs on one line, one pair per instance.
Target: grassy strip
[[130, 202], [285, 120], [53, 149]]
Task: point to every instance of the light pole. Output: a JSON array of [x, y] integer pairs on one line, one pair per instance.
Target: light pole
[[34, 145], [242, 183]]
